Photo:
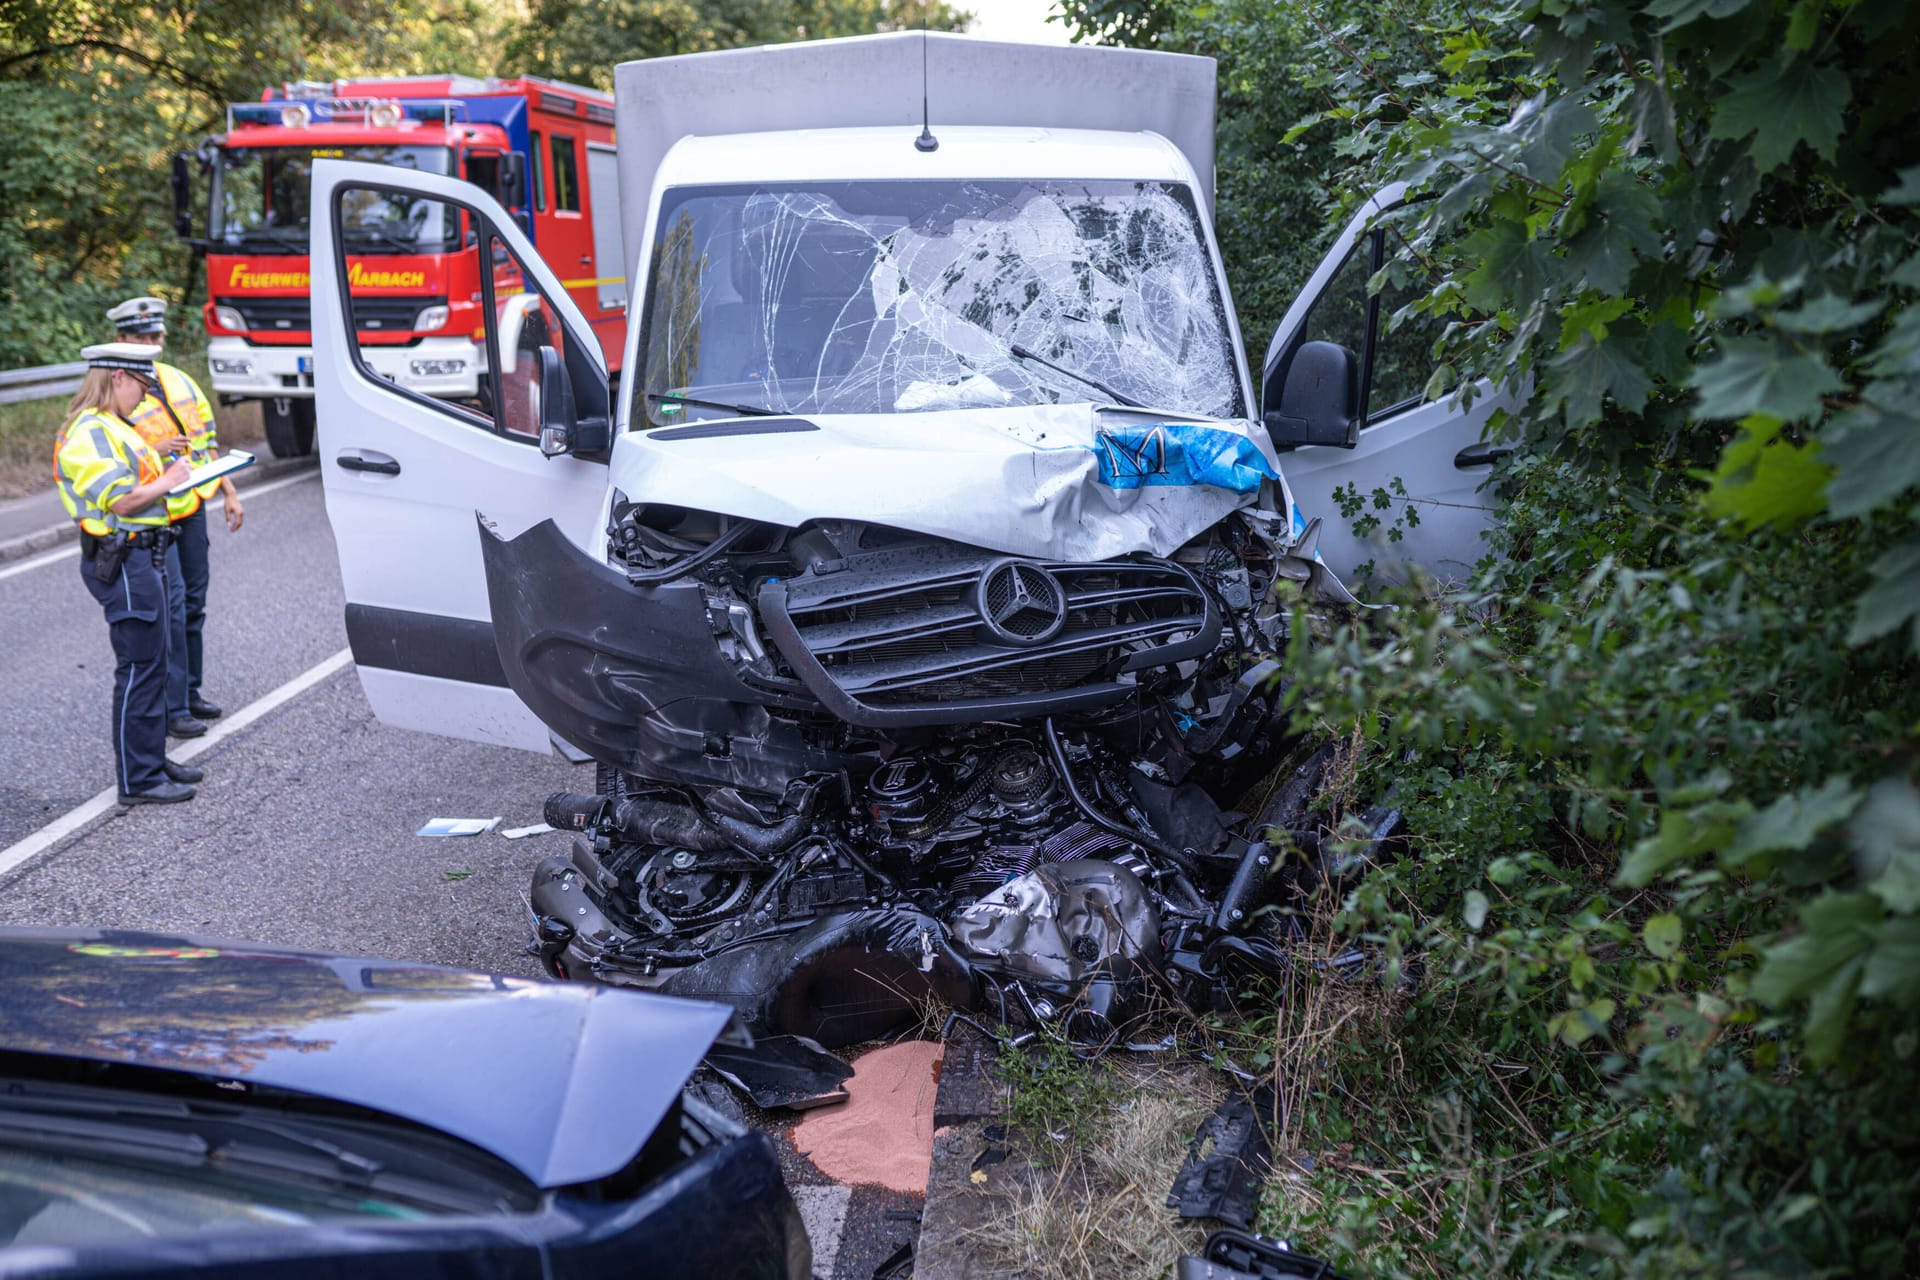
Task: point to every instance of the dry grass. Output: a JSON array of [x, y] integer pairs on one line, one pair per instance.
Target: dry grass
[[27, 431], [1105, 1212]]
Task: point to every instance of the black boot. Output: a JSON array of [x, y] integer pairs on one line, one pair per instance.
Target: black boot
[[185, 727], [163, 793], [201, 709], [183, 772]]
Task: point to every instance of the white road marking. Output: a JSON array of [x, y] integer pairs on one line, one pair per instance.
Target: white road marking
[[72, 549], [824, 1211], [60, 828], [59, 553]]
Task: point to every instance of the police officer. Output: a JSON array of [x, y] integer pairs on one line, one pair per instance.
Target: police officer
[[177, 419], [115, 487]]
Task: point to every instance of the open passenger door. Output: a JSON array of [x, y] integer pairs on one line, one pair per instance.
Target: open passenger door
[[1394, 477], [406, 473]]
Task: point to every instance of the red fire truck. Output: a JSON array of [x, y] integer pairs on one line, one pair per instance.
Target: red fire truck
[[544, 150]]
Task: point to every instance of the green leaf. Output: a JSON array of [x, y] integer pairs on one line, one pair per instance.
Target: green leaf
[[1829, 1008], [1898, 351], [1760, 375], [1650, 108], [1679, 13], [1803, 24], [1662, 934], [1553, 135], [1474, 911], [1513, 269], [1886, 844], [461, 874], [1874, 451], [1823, 963], [1828, 314], [1894, 598], [1763, 480], [1893, 970], [1594, 371], [1791, 822], [1905, 191], [1796, 100], [1581, 1024], [1684, 833], [1620, 232], [1591, 317]]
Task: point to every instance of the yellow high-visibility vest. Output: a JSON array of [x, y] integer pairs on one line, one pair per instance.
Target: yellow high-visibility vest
[[97, 458], [195, 420]]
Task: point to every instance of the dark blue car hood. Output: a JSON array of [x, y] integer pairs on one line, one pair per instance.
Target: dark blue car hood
[[564, 1081]]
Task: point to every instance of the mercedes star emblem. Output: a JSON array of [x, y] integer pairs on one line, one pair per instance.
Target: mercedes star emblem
[[1021, 603]]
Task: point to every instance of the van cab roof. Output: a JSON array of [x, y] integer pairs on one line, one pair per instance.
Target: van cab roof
[[965, 152]]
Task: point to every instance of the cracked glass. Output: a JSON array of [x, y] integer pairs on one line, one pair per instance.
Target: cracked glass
[[892, 297]]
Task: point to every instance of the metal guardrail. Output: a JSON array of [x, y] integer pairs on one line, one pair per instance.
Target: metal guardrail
[[43, 383]]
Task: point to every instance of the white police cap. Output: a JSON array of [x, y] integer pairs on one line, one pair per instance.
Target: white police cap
[[134, 357], [140, 315]]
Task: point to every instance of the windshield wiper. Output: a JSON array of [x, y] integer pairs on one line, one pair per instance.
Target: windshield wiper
[[294, 240], [1022, 353], [381, 237], [744, 410]]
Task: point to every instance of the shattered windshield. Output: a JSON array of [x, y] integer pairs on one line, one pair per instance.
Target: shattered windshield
[[890, 297]]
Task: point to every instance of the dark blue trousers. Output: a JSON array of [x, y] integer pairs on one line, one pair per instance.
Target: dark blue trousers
[[135, 603], [187, 575]]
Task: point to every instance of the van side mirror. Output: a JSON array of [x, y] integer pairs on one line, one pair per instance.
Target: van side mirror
[[561, 429], [1314, 398], [183, 194]]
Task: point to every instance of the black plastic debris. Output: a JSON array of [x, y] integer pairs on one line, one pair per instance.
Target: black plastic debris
[[898, 1265], [1240, 1255], [1227, 1162], [783, 1071]]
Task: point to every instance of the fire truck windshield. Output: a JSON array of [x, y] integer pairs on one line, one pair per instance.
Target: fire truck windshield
[[260, 195]]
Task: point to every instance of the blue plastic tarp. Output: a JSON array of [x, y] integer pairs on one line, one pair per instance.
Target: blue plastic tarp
[[1179, 453]]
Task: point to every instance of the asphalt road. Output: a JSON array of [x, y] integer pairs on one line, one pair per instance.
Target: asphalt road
[[303, 832]]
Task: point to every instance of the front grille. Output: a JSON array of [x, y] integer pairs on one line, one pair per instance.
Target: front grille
[[905, 637], [295, 315]]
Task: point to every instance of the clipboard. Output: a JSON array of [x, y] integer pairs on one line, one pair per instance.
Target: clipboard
[[234, 460]]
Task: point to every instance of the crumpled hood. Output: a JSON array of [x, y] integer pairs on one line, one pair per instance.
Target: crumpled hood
[[1068, 481]]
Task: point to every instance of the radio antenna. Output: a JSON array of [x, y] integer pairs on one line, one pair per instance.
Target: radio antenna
[[926, 141]]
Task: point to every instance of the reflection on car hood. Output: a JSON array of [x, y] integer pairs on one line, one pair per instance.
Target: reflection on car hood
[[563, 1081], [1027, 481]]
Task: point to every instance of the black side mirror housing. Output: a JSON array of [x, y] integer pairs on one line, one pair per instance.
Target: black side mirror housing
[[513, 180], [1313, 398], [183, 194], [562, 430]]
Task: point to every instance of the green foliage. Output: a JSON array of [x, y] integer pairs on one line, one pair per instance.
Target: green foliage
[[582, 40], [97, 97], [1660, 759], [1056, 1103]]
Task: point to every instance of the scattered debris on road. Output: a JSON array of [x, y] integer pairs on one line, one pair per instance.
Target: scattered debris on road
[[458, 826]]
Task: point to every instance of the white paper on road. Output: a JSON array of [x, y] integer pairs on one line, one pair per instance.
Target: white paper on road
[[458, 826], [521, 833]]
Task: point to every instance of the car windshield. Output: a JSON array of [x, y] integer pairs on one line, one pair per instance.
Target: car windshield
[[889, 297], [260, 201], [59, 1199]]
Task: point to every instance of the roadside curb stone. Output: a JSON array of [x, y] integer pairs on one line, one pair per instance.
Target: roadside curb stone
[[968, 1101]]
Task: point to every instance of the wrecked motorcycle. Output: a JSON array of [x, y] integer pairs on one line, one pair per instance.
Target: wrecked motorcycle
[[862, 772]]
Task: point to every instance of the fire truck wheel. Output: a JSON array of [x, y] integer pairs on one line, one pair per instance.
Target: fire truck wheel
[[289, 426]]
